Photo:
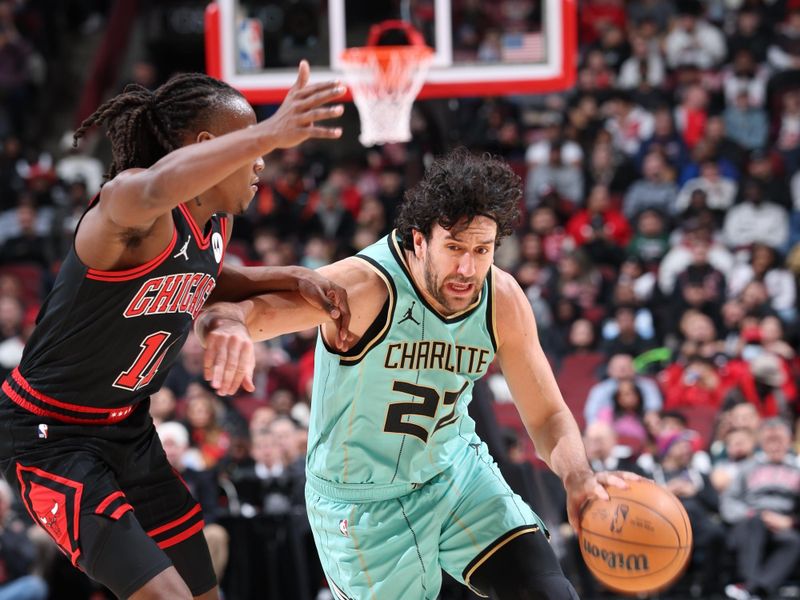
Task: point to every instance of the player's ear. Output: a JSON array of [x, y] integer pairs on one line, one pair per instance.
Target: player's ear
[[419, 241], [204, 136]]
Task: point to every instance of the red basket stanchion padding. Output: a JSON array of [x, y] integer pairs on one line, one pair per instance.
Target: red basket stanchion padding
[[384, 80]]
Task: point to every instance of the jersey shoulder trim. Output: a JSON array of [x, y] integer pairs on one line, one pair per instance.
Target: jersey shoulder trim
[[202, 241], [378, 329], [135, 272], [491, 309], [397, 253]]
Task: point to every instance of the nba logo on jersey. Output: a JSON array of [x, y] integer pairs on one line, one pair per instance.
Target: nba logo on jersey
[[43, 432], [343, 528], [249, 40]]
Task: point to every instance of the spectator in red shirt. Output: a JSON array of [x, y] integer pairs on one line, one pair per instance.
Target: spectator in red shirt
[[601, 229]]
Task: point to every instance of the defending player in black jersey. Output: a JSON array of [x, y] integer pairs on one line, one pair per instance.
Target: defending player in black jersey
[[75, 434]]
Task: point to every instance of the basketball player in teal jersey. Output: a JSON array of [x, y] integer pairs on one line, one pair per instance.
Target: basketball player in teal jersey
[[398, 483]]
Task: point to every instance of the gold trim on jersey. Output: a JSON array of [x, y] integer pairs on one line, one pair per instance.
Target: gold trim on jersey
[[493, 292], [402, 256], [389, 316]]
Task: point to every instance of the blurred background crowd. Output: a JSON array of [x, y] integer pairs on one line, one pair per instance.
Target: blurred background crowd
[[658, 249]]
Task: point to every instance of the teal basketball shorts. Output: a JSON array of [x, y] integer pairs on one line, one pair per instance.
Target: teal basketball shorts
[[395, 548]]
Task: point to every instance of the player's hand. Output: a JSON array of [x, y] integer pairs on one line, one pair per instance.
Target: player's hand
[[304, 106], [583, 488], [229, 358], [322, 293]]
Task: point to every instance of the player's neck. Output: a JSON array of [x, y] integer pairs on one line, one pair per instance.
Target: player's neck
[[200, 210]]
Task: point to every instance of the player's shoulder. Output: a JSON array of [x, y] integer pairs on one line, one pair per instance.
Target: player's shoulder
[[512, 308], [506, 289], [357, 276]]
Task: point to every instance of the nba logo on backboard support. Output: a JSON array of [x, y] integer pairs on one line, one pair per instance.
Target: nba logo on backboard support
[[250, 42]]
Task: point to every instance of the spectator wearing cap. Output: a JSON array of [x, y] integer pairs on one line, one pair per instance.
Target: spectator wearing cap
[[675, 472], [601, 395], [656, 190], [755, 219], [693, 41], [761, 504]]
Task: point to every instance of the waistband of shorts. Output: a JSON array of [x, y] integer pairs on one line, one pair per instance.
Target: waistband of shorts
[[21, 393], [358, 492]]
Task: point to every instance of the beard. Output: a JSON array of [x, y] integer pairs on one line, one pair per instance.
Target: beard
[[435, 289]]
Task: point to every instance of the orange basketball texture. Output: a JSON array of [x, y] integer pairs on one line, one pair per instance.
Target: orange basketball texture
[[639, 541]]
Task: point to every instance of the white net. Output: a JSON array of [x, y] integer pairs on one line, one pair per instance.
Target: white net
[[384, 81]]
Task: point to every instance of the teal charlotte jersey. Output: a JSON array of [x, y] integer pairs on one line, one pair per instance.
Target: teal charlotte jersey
[[398, 484], [392, 412]]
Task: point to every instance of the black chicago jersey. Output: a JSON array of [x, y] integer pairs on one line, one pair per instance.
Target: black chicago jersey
[[105, 340]]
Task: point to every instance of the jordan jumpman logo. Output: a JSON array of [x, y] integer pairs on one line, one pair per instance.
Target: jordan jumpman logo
[[409, 316], [184, 249]]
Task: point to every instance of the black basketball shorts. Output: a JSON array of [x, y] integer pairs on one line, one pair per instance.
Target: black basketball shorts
[[107, 496]]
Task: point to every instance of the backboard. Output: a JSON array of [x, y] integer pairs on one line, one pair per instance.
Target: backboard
[[482, 47]]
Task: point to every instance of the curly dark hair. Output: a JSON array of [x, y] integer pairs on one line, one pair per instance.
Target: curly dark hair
[[461, 185], [144, 126]]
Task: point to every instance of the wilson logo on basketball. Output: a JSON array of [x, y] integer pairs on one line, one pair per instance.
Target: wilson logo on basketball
[[179, 293], [617, 560]]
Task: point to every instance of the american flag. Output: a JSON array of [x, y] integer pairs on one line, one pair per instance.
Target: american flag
[[523, 47]]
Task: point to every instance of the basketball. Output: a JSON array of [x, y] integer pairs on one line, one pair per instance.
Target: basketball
[[638, 541]]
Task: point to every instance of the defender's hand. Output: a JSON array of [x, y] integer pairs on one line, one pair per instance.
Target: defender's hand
[[322, 293], [304, 105], [229, 358]]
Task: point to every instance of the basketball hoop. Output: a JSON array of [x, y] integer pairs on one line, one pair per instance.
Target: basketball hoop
[[384, 81]]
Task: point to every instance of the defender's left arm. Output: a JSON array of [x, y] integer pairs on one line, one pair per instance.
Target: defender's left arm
[[544, 413], [238, 283]]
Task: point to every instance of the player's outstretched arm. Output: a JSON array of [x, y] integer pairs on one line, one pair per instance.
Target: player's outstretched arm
[[222, 326], [545, 414], [237, 283], [137, 197]]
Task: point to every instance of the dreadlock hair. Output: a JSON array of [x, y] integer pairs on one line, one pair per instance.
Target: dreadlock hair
[[145, 125], [460, 186]]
